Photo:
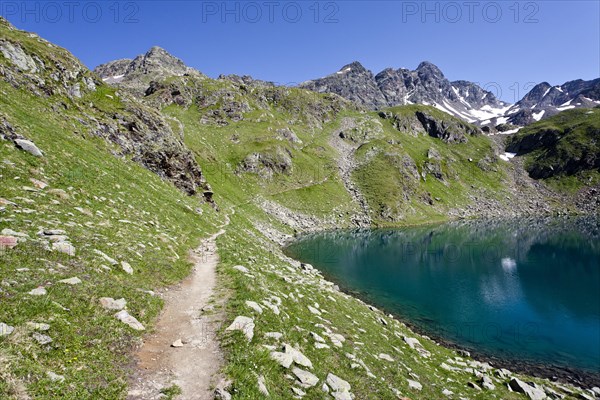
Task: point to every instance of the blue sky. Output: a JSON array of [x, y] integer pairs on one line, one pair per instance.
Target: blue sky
[[503, 45]]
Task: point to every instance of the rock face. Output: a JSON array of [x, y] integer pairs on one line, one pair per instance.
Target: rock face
[[425, 85], [420, 121], [545, 100]]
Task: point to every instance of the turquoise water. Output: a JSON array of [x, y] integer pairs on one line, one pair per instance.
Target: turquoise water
[[526, 290]]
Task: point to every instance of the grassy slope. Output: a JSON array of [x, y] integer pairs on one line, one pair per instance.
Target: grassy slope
[[580, 136], [128, 213], [389, 184]]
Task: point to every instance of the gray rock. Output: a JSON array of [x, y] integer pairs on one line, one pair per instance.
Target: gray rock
[[521, 387], [241, 269], [177, 343], [55, 377], [487, 383], [5, 329], [306, 378], [111, 304], [39, 291], [337, 384], [64, 247], [253, 305], [297, 356], [71, 281], [29, 147], [129, 320], [414, 385], [126, 267], [262, 387], [244, 324], [385, 357], [284, 359], [18, 57], [274, 335], [108, 259], [38, 326], [41, 338]]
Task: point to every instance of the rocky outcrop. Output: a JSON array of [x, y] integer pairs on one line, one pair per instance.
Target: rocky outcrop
[[137, 74], [450, 130]]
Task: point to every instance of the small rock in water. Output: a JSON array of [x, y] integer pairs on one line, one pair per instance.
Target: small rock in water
[[130, 320], [71, 281], [244, 324], [177, 343], [111, 304], [5, 329]]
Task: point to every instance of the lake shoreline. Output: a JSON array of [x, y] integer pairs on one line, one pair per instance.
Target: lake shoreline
[[577, 377]]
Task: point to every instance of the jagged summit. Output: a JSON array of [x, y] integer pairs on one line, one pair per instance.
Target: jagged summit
[[425, 85], [156, 64]]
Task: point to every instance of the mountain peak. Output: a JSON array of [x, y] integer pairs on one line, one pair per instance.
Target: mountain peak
[[353, 66], [430, 69]]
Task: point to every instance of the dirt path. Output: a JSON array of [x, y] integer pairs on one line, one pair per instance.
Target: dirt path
[[188, 317]]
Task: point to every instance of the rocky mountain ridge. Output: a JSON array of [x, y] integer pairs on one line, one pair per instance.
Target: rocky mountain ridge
[[425, 85]]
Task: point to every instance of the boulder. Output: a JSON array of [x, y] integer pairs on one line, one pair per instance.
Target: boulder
[[244, 324], [532, 392], [129, 320], [306, 378], [29, 147]]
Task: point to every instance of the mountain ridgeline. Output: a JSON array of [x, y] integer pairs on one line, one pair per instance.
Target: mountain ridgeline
[[467, 100]]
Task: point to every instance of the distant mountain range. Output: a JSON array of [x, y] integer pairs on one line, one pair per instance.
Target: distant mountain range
[[428, 85]]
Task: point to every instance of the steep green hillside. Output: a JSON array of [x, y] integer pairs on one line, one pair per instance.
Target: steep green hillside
[[63, 208], [565, 148]]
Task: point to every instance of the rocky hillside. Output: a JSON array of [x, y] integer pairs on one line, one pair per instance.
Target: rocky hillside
[[31, 64], [425, 85], [544, 101], [567, 144]]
